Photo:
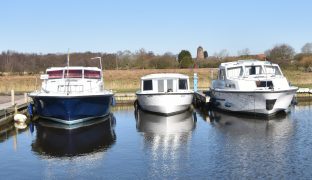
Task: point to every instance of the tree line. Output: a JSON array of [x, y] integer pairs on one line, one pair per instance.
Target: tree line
[[16, 62]]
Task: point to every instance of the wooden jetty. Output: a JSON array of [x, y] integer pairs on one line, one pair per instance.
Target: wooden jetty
[[8, 109], [125, 98]]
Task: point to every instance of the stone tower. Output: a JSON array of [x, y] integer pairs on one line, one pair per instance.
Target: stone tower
[[200, 53]]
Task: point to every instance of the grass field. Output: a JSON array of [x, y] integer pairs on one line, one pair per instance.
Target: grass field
[[129, 80]]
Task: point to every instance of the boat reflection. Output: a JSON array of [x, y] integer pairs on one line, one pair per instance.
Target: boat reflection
[[158, 124], [166, 140], [61, 140], [235, 125], [243, 136]]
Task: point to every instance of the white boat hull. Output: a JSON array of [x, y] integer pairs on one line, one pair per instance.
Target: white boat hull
[[170, 103], [257, 102]]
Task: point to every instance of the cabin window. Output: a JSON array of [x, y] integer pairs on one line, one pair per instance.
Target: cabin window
[[147, 85], [169, 85], [253, 70], [221, 74], [182, 84], [161, 86], [73, 73], [272, 70], [234, 72], [92, 74], [55, 74]]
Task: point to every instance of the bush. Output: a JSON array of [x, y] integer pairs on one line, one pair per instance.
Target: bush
[[186, 63], [306, 62]]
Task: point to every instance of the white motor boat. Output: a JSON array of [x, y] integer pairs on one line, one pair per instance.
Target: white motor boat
[[251, 86], [165, 93]]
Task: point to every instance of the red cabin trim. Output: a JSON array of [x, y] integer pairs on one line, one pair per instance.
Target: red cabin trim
[[57, 74], [92, 74]]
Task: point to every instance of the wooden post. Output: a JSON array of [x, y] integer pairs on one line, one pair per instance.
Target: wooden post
[[12, 97], [211, 75], [25, 98]]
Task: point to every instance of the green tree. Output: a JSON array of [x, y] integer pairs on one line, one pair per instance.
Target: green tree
[[186, 63], [184, 54]]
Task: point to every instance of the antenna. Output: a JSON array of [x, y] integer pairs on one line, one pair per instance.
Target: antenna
[[100, 59], [68, 57], [67, 72]]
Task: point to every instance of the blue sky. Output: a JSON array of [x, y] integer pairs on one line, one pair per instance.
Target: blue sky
[[160, 26]]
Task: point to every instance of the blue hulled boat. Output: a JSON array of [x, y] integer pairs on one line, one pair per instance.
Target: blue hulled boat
[[72, 94]]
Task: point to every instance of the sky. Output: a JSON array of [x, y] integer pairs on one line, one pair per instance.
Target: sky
[[54, 26]]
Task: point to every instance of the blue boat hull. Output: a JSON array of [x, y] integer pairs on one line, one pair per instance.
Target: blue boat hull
[[72, 109]]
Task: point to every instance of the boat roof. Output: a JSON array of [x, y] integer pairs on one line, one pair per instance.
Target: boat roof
[[248, 62], [73, 68], [164, 76]]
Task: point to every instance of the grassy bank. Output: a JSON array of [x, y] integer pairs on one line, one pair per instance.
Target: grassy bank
[[129, 80]]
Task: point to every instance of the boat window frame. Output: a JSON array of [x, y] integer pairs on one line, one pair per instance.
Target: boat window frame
[[247, 70], [73, 75], [276, 67], [185, 84], [56, 77], [222, 74], [151, 84], [170, 88], [163, 85], [98, 76], [241, 73]]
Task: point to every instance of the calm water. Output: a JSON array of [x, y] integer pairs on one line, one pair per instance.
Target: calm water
[[136, 145]]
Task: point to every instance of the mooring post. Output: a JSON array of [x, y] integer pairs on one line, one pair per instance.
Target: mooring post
[[15, 109], [25, 98], [12, 97], [195, 82]]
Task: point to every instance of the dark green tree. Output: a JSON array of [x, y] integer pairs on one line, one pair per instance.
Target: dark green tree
[[186, 63], [205, 54], [184, 54]]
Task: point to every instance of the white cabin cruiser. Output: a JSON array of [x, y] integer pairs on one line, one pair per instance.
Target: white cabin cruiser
[[251, 86], [165, 93]]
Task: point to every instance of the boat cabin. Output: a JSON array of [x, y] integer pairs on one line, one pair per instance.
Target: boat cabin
[[249, 68], [72, 79], [250, 75], [164, 83]]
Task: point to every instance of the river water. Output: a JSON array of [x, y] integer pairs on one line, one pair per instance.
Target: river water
[[133, 144]]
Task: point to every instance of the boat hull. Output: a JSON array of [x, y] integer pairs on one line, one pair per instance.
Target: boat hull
[[167, 104], [72, 109], [256, 102]]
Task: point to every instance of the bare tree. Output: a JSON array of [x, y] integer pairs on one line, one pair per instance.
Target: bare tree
[[243, 52], [222, 54], [281, 52], [307, 48]]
